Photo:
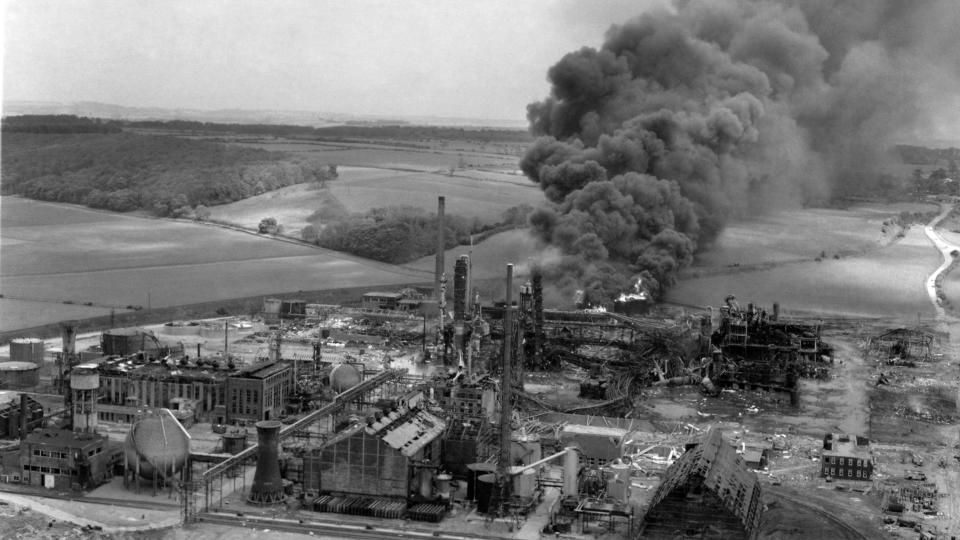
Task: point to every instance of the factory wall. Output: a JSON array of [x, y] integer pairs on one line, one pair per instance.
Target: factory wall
[[57, 459], [158, 392], [361, 464]]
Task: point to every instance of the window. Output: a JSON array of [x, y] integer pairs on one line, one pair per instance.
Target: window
[[36, 452]]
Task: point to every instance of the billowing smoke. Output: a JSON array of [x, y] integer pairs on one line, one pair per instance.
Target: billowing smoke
[[690, 116]]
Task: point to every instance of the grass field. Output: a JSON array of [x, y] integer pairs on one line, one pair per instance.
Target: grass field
[[66, 253], [470, 194]]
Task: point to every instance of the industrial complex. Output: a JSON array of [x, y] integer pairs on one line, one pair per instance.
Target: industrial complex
[[432, 406]]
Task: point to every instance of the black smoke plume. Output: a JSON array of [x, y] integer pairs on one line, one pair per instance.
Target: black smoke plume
[[687, 117]]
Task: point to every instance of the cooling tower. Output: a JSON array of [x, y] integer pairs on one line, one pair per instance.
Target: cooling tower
[[267, 484]]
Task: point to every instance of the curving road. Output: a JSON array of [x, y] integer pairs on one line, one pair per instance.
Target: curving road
[[945, 249]]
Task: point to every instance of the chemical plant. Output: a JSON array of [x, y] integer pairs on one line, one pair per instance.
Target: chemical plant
[[419, 406]]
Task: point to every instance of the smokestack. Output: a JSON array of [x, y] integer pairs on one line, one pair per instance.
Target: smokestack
[[68, 334], [537, 281], [441, 245], [267, 485], [460, 275], [24, 414], [506, 391]]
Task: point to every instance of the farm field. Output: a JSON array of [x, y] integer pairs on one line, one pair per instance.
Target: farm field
[[887, 282], [391, 157], [469, 194], [61, 252], [879, 281], [803, 234]]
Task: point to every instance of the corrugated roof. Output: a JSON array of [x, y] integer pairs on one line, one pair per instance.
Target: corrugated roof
[[413, 433]]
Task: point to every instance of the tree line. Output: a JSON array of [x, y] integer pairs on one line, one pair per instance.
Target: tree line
[[127, 171], [400, 234], [57, 123]]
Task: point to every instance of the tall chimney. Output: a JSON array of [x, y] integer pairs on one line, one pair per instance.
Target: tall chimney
[[460, 292], [68, 333], [506, 391], [441, 246], [267, 485], [536, 277]]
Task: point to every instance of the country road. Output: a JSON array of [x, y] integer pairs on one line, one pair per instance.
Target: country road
[[945, 248]]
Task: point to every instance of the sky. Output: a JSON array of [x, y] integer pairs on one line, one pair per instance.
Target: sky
[[449, 58]]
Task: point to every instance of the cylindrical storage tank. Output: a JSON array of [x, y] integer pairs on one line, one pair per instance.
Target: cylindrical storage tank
[[486, 483], [426, 483], [234, 443], [524, 483], [344, 377], [617, 477], [157, 445], [27, 350], [126, 341], [293, 308], [443, 486], [178, 328], [524, 447], [19, 375], [271, 310], [267, 484], [571, 468], [475, 471]]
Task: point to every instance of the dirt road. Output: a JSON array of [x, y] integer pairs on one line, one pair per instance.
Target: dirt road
[[945, 248]]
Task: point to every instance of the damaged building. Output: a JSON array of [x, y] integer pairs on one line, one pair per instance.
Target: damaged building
[[709, 492], [392, 454], [846, 457]]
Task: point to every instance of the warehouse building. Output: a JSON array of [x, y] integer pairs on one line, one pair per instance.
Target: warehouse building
[[391, 455], [709, 492]]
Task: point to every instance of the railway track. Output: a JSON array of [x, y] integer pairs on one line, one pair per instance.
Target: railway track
[[335, 530], [849, 531]]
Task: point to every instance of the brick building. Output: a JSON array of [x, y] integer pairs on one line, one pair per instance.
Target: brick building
[[258, 393], [846, 457], [62, 459]]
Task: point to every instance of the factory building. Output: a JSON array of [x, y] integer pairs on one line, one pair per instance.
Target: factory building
[[846, 457], [12, 406], [129, 384], [61, 459], [393, 454], [258, 393], [707, 493]]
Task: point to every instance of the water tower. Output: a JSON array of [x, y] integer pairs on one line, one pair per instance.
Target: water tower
[[84, 390]]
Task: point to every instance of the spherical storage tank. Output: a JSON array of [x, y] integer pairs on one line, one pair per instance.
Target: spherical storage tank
[[19, 375], [26, 350], [158, 444], [344, 377]]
